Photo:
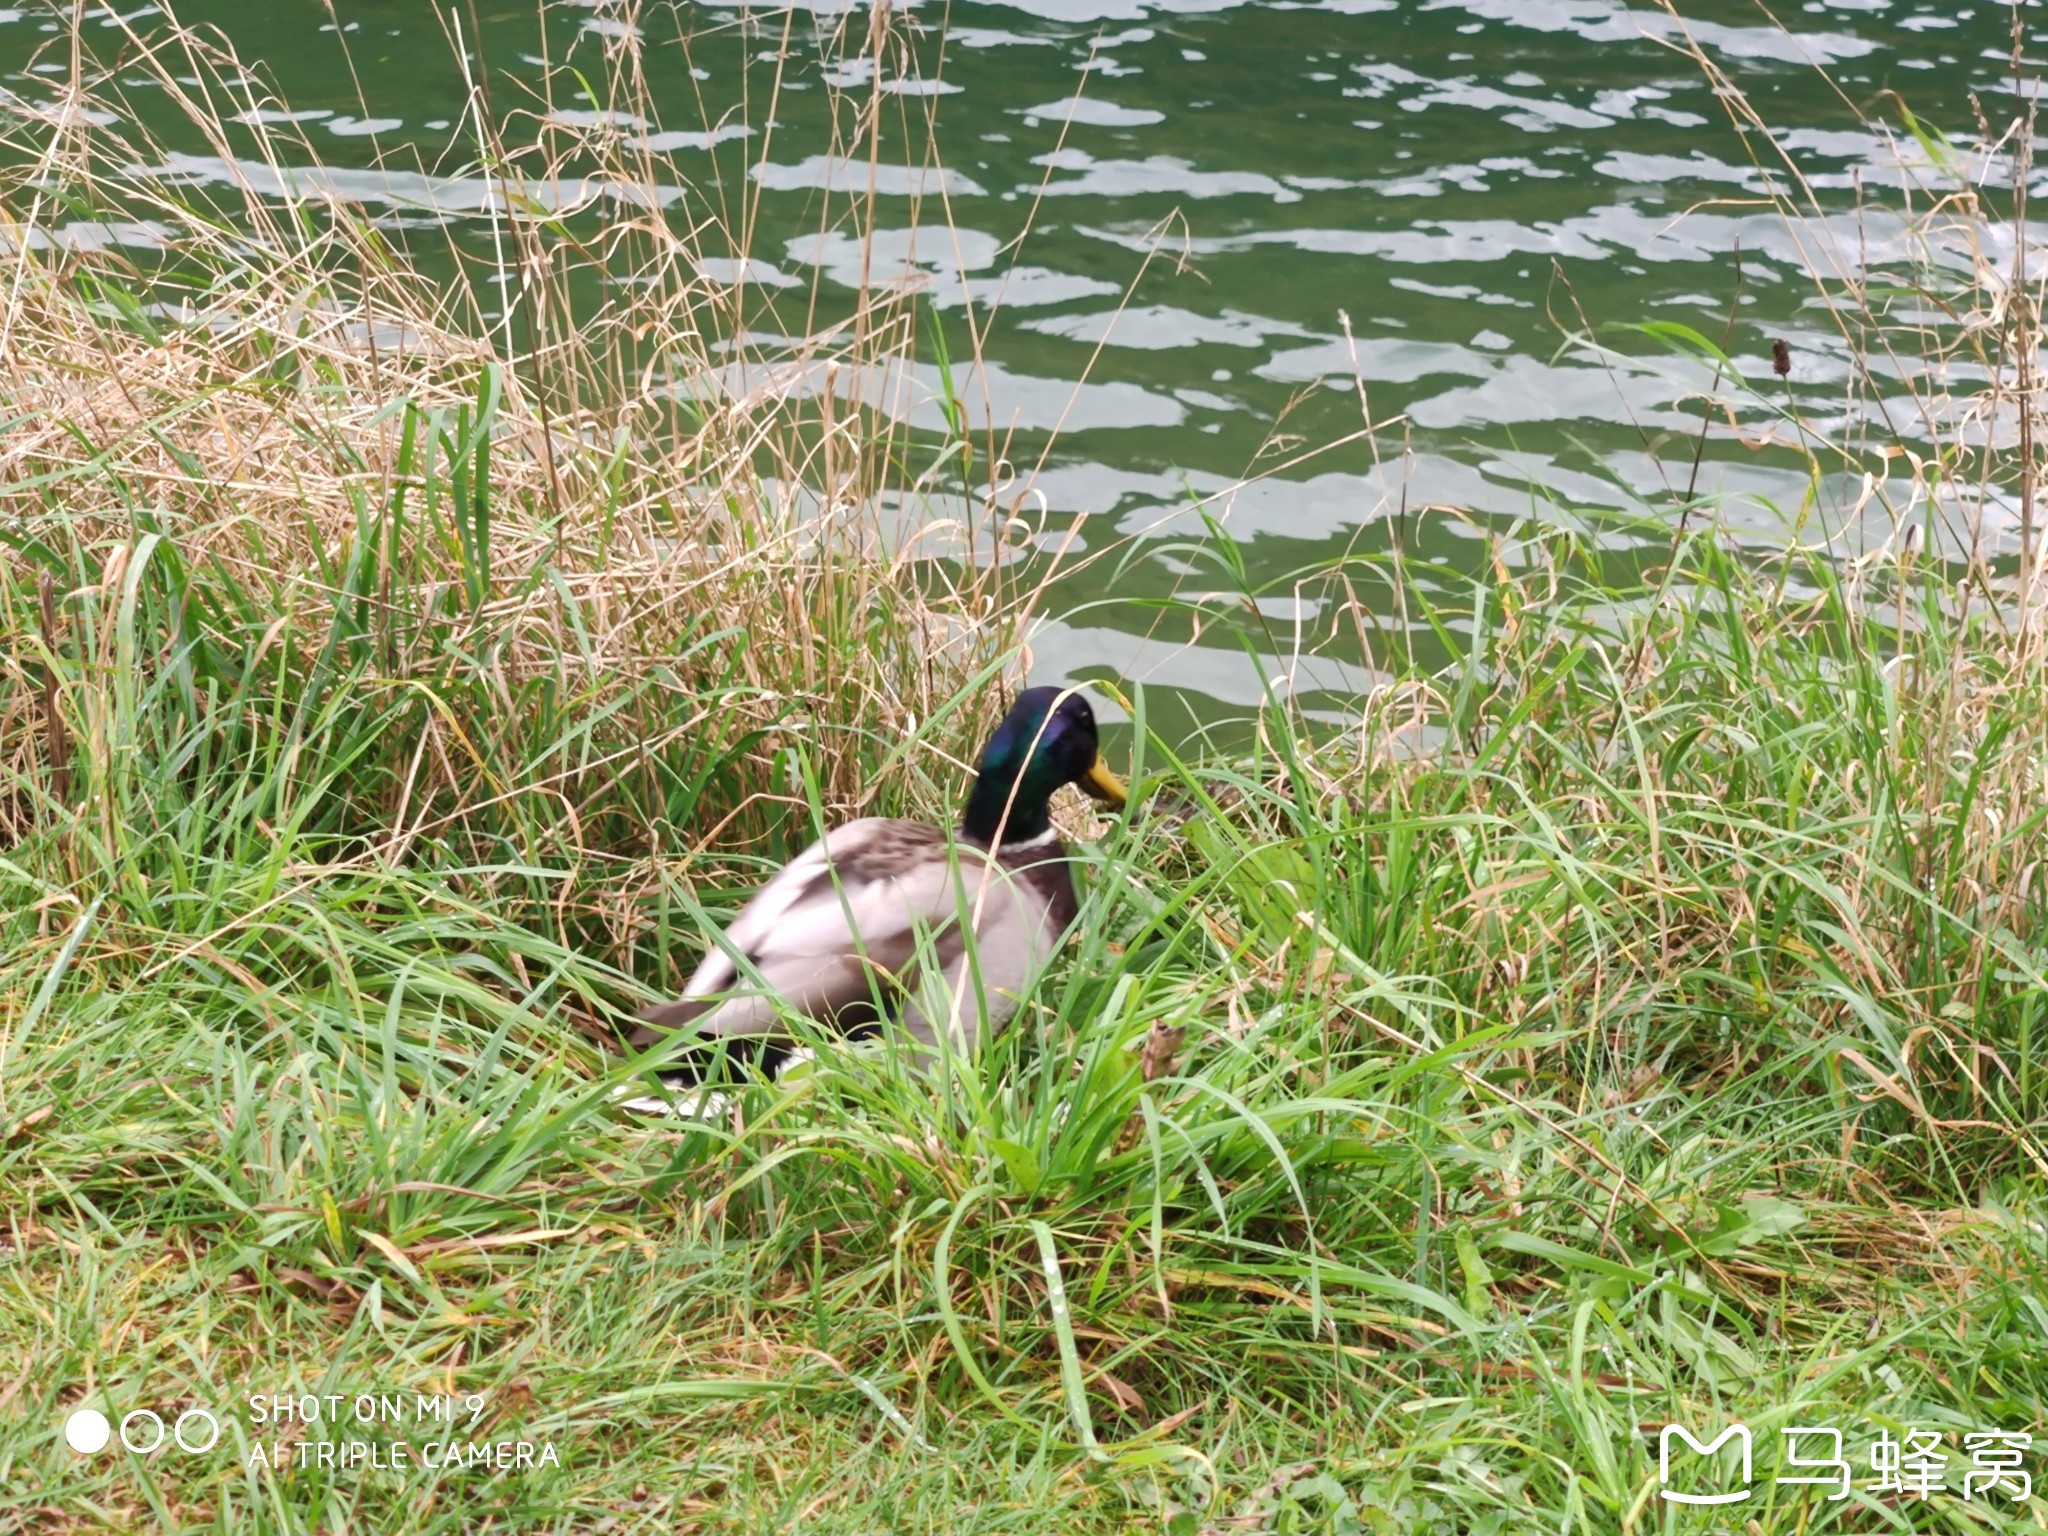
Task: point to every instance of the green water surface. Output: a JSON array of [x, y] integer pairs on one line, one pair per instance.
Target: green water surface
[[1455, 177]]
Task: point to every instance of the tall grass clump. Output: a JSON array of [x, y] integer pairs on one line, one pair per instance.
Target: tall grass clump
[[321, 566], [1634, 1021]]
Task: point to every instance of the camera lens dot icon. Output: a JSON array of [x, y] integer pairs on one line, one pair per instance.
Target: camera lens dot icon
[[87, 1431]]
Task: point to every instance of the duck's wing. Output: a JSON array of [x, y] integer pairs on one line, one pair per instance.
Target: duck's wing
[[839, 925]]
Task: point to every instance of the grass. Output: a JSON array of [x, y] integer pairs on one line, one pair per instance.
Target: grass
[[1635, 1022]]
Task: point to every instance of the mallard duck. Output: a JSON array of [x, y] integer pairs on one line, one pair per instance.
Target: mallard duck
[[869, 924]]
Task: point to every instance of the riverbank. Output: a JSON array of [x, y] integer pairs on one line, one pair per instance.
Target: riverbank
[[1635, 1022]]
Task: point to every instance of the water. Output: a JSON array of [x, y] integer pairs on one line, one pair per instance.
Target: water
[[1456, 177]]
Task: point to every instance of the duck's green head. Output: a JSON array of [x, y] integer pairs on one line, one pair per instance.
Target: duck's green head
[[1046, 740]]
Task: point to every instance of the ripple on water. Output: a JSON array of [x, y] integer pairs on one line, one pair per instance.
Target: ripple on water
[[1242, 216]]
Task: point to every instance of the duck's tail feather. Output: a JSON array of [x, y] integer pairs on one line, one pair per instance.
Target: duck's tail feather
[[681, 1100], [684, 1095], [690, 1058], [663, 1021]]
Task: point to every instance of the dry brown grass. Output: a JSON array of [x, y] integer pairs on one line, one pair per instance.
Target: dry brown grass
[[262, 378]]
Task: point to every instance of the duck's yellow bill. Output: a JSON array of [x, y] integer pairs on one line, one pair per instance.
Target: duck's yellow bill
[[1104, 785]]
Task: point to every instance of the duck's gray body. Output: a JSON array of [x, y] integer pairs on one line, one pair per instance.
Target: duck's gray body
[[875, 921]]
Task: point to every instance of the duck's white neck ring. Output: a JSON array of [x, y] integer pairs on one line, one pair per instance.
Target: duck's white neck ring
[[1045, 839]]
